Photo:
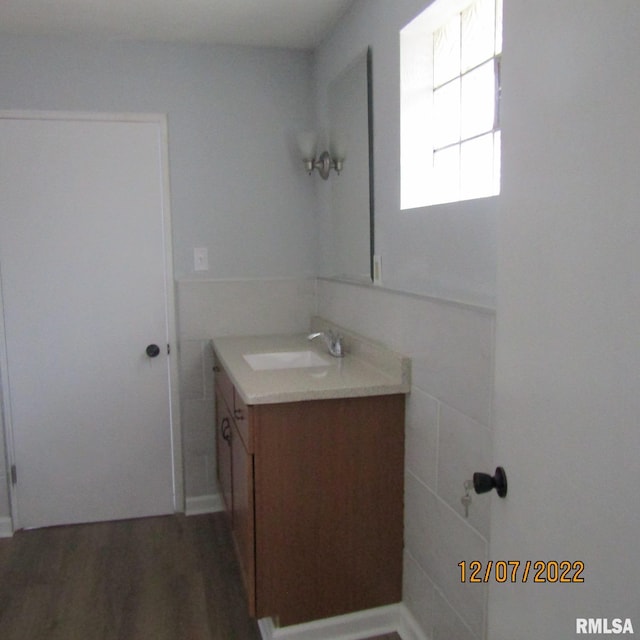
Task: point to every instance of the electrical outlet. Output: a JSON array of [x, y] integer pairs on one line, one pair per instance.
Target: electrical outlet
[[201, 259]]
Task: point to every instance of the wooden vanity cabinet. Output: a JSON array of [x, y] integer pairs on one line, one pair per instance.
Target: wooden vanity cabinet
[[317, 503]]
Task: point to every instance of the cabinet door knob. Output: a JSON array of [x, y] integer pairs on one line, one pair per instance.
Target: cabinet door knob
[[225, 428]]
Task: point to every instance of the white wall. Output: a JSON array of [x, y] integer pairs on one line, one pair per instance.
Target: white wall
[[448, 250], [567, 405]]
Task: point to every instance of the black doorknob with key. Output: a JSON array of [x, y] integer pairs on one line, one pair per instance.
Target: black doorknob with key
[[483, 482]]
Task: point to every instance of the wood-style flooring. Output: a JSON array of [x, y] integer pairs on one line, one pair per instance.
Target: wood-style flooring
[[169, 578]]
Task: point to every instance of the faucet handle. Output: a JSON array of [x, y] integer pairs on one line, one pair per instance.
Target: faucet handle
[[336, 348], [333, 340]]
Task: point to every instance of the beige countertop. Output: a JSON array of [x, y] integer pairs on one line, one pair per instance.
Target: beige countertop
[[368, 369]]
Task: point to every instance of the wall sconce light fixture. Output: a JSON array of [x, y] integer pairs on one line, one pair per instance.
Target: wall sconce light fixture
[[332, 159]]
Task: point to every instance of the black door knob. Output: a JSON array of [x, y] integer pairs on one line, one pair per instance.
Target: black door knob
[[483, 482], [153, 350]]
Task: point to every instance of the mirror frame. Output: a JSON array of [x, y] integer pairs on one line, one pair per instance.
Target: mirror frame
[[372, 243]]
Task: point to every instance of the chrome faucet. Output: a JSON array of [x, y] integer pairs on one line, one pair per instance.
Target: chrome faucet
[[333, 341]]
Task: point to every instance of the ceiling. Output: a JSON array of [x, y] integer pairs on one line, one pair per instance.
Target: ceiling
[[296, 24]]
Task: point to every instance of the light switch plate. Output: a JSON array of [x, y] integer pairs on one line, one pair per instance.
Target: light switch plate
[[201, 259]]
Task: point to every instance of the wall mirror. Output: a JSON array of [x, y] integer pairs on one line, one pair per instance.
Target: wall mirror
[[350, 115]]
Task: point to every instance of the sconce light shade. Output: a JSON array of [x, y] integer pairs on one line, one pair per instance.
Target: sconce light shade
[[338, 145], [338, 149], [308, 143]]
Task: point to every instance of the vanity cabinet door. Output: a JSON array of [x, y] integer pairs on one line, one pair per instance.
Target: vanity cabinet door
[[329, 506], [223, 450], [235, 475], [243, 514]]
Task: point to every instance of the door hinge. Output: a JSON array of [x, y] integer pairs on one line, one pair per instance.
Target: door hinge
[[14, 474], [168, 349]]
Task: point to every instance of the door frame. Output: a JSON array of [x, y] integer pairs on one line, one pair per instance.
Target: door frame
[[170, 308]]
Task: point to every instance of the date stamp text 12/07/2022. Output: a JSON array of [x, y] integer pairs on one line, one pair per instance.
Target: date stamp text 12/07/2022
[[540, 571]]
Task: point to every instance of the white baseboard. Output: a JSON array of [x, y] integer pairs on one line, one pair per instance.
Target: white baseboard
[[409, 629], [6, 528], [194, 506], [353, 626], [204, 504]]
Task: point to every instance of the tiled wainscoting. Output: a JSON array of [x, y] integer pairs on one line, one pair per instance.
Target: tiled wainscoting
[[208, 308], [449, 416]]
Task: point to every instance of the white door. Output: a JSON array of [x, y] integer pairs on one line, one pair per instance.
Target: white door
[[83, 274], [568, 323]]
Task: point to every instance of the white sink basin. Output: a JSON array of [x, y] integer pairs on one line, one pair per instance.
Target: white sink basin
[[285, 360]]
